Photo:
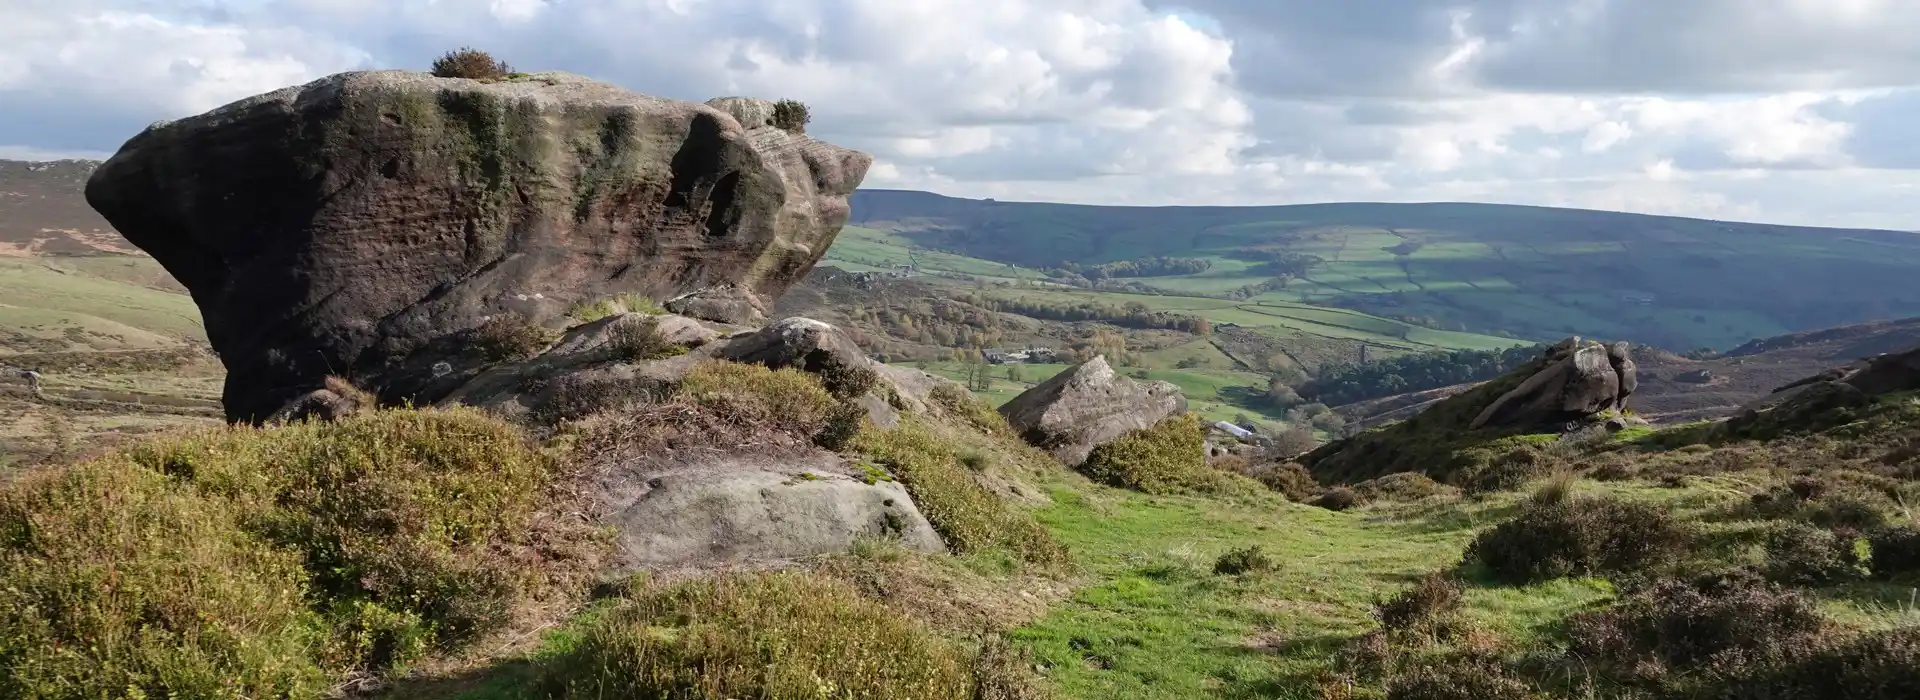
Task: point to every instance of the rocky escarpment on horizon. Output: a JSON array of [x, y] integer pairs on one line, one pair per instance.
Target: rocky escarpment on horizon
[[358, 225]]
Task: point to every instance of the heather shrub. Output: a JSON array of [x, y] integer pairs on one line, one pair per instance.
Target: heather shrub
[[1853, 510], [1427, 605], [1337, 498], [1457, 679], [847, 382], [1242, 561], [1717, 629], [1577, 537], [1895, 550], [1803, 555], [1289, 478], [272, 562], [1508, 471], [1400, 487], [470, 63], [791, 115], [1882, 665], [777, 635]]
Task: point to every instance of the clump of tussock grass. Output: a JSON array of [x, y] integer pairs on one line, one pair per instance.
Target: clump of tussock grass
[[590, 311]]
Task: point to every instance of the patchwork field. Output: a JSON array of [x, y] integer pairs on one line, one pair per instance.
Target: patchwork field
[[1531, 272]]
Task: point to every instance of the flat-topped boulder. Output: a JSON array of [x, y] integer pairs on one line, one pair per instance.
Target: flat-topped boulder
[[360, 224], [1088, 405]]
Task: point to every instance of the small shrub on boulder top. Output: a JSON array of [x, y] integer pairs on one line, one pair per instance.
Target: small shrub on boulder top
[[791, 115], [1721, 629], [1431, 600], [1883, 665], [758, 398], [253, 562], [1895, 550], [1243, 560], [778, 635], [508, 336], [470, 63], [1168, 458], [640, 339], [849, 382], [1337, 498], [1577, 537], [1457, 679], [1803, 555]]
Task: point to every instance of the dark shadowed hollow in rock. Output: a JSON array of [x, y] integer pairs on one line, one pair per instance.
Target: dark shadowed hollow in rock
[[360, 224]]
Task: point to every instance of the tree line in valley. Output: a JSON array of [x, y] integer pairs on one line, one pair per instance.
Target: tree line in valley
[[1152, 266], [1131, 314]]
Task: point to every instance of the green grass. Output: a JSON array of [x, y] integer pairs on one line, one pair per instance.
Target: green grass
[[1159, 624], [60, 302]]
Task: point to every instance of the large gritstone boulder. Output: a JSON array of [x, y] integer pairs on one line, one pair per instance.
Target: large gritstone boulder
[[1574, 389], [1576, 381], [365, 224], [1089, 405]]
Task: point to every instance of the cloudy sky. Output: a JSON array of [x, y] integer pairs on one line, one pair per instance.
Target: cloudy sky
[[1791, 111]]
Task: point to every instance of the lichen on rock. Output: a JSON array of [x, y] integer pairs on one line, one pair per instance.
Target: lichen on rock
[[359, 223]]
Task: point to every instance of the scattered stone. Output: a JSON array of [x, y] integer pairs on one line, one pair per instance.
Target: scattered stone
[[723, 304], [1089, 405], [704, 513]]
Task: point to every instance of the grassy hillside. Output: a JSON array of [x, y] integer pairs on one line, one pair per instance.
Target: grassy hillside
[[1679, 564], [1223, 372], [1534, 272]]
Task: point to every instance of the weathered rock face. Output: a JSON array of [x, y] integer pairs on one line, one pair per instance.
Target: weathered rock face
[[1574, 388], [723, 304], [1088, 405], [357, 224], [1576, 381]]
